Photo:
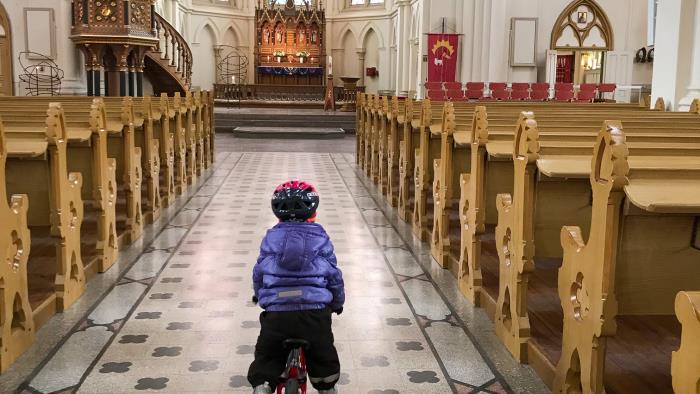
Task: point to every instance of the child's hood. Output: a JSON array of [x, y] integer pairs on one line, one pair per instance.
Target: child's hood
[[295, 243]]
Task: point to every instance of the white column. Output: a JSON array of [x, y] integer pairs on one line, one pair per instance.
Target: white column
[[694, 85], [674, 51], [403, 50], [361, 63], [467, 42]]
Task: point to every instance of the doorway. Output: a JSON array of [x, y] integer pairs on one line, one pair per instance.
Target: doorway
[[580, 66], [5, 54]]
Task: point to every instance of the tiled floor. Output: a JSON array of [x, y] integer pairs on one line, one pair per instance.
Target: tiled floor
[[180, 320]]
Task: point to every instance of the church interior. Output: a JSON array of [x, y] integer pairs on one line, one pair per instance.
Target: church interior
[[511, 189]]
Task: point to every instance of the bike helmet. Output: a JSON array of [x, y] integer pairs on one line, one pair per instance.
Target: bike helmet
[[295, 201]]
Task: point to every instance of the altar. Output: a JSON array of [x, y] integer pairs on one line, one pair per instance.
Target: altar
[[290, 46]]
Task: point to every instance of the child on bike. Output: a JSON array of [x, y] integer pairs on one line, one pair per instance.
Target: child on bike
[[297, 282]]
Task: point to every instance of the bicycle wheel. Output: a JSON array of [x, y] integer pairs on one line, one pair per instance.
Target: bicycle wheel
[[291, 387]]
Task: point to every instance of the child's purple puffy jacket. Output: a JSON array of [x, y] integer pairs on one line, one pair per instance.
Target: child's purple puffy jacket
[[297, 269]]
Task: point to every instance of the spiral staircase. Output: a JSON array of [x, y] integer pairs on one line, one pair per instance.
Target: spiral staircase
[[169, 66]]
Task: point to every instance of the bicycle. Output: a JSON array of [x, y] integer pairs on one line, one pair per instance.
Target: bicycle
[[293, 379]]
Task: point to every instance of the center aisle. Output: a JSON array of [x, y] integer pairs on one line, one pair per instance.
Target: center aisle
[[194, 329]]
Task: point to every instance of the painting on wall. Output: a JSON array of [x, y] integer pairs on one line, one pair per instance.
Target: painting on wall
[[582, 17]]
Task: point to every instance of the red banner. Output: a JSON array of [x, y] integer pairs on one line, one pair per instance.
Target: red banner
[[442, 57]]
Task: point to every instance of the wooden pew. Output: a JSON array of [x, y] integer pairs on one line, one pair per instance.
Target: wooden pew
[[370, 133], [87, 148], [359, 128], [177, 127], [394, 138], [383, 125], [207, 102], [409, 122], [685, 362], [120, 125], [428, 150], [639, 277], [17, 329], [548, 191], [477, 201], [38, 166], [417, 116]]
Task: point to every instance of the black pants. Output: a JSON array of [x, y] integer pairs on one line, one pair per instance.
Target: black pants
[[313, 326]]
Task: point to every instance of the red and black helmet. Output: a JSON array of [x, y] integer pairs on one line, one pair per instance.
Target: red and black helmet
[[295, 201]]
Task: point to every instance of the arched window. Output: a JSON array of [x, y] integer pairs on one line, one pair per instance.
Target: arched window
[[365, 3]]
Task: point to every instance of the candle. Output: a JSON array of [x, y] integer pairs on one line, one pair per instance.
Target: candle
[[330, 65]]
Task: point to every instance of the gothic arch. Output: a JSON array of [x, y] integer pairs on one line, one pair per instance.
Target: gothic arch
[[212, 26], [344, 32], [363, 35], [236, 31], [236, 35], [592, 31], [6, 77]]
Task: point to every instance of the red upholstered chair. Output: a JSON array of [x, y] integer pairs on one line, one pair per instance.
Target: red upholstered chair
[[588, 87], [564, 91], [433, 85], [501, 94], [475, 90], [585, 96], [520, 86], [499, 91], [453, 85], [607, 87], [519, 94], [455, 94], [540, 91], [498, 86], [435, 94]]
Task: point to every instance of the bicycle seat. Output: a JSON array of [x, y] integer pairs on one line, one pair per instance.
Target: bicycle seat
[[293, 343]]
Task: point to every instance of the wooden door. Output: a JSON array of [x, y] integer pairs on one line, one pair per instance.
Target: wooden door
[[5, 54], [565, 68]]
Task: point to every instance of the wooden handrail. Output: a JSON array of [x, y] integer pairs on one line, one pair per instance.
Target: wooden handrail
[[175, 50]]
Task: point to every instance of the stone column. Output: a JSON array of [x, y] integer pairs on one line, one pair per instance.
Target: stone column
[[403, 46], [217, 59], [694, 85], [676, 47], [361, 63]]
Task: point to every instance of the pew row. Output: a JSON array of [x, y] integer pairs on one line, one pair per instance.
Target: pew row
[[65, 170], [37, 165], [17, 332]]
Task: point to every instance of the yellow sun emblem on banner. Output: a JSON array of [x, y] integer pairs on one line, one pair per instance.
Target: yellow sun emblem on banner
[[449, 49]]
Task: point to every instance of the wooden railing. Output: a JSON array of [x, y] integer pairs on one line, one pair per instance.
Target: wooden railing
[[174, 49], [276, 92]]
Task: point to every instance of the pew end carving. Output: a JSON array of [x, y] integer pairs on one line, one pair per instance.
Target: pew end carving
[[422, 173], [393, 140], [515, 240], [586, 277], [471, 210], [685, 362], [442, 189], [660, 104], [17, 327]]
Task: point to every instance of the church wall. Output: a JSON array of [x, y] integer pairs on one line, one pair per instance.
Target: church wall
[[206, 25], [346, 33], [67, 57], [485, 40]]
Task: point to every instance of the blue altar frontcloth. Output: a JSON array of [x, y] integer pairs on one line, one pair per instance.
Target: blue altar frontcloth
[[269, 70]]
